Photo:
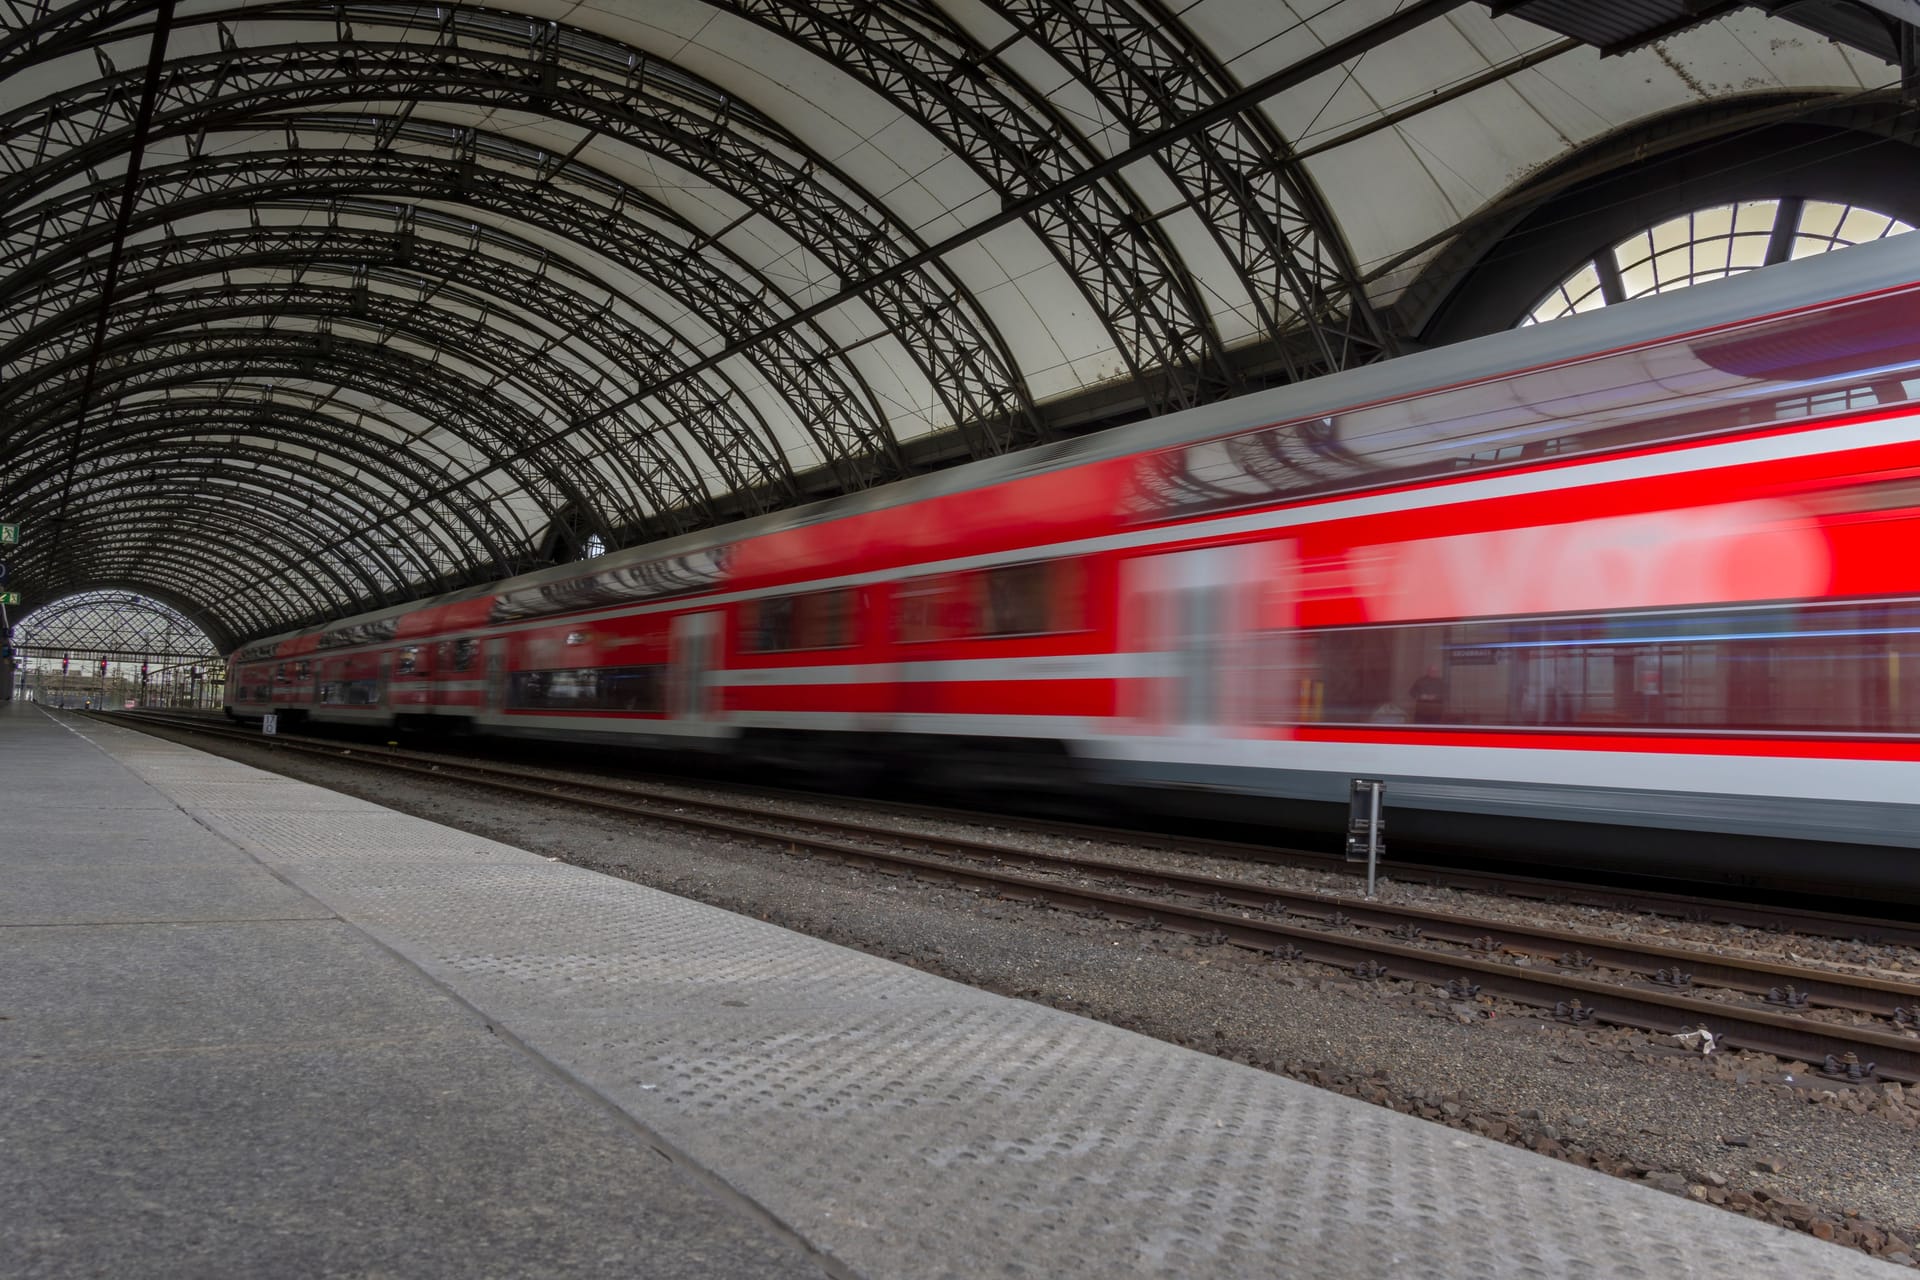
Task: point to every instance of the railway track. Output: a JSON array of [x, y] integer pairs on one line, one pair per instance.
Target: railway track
[[1793, 1011]]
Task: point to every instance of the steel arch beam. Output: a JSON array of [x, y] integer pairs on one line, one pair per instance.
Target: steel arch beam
[[208, 541], [799, 373], [594, 332], [127, 481], [477, 58], [184, 423], [1263, 209], [232, 530], [383, 373], [163, 496], [588, 208], [156, 316], [935, 71], [54, 612]]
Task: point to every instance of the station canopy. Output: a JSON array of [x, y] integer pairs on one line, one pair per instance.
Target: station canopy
[[309, 308]]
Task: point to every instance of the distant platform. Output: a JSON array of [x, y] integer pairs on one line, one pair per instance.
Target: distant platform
[[255, 1027]]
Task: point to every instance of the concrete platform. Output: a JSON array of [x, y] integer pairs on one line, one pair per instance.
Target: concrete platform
[[252, 1027]]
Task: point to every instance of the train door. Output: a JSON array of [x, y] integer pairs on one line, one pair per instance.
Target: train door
[[494, 695], [1186, 621], [694, 653]]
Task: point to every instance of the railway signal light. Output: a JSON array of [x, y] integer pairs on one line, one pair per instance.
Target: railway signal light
[[65, 659], [103, 668], [143, 673]]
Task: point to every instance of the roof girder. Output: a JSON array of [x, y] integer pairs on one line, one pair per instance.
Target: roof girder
[[180, 423], [140, 320], [1239, 174], [168, 442], [839, 413], [376, 564], [384, 373], [927, 310]]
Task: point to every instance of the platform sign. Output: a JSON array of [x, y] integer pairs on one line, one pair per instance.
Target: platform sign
[[269, 723], [9, 534]]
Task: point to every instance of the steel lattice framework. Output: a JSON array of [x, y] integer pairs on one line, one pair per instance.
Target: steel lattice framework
[[311, 307], [116, 625]]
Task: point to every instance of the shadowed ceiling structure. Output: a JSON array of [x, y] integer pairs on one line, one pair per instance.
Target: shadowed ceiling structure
[[309, 308]]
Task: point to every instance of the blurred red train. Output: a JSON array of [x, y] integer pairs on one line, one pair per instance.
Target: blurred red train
[[1650, 575]]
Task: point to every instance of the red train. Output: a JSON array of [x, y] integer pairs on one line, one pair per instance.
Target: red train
[[1651, 575]]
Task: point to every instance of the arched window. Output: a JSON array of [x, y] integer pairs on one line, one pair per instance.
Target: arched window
[[152, 653], [1722, 240], [595, 545]]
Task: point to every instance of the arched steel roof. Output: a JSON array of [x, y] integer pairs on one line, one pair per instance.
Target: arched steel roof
[[307, 308]]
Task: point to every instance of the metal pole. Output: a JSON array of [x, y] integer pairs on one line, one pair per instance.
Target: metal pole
[[1373, 840]]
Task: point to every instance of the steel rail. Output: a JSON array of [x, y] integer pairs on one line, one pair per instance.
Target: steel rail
[[1683, 906]]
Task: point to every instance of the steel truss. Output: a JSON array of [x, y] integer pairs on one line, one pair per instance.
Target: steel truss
[[419, 250], [490, 356], [202, 361], [488, 60], [117, 624], [611, 414], [273, 432], [1239, 174], [592, 210], [1019, 144]]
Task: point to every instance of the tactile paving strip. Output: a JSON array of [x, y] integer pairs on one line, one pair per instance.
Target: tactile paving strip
[[909, 1126]]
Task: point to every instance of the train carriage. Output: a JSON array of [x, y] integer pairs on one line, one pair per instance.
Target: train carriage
[[1652, 569]]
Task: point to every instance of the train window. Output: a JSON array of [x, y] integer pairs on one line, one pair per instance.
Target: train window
[[409, 660], [464, 652], [1035, 598], [1851, 668], [924, 610], [1014, 600], [813, 620], [640, 688], [349, 693]]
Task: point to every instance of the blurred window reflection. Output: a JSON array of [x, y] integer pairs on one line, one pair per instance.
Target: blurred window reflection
[[640, 688], [811, 620], [1849, 668], [1037, 597]]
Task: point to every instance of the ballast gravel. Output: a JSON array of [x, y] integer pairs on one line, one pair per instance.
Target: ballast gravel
[[1770, 1139]]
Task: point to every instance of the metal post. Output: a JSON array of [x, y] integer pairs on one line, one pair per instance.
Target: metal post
[[1373, 841], [1367, 826]]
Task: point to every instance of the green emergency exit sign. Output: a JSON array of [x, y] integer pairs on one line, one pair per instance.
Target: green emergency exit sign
[[9, 534], [9, 597]]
